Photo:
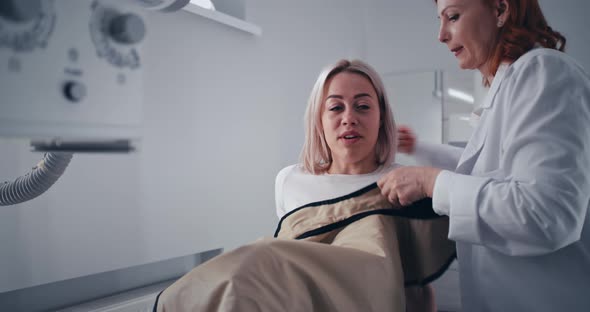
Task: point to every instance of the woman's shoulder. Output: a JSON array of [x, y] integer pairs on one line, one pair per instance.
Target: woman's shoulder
[[549, 60], [542, 54], [290, 171]]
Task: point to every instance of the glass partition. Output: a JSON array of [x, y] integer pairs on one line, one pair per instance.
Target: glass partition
[[436, 104]]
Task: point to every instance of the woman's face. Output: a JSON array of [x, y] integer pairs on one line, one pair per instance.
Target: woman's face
[[469, 29], [351, 121]]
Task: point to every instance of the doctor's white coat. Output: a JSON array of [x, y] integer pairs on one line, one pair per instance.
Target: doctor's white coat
[[518, 194]]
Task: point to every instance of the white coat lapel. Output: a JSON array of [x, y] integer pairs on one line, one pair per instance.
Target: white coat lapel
[[473, 147], [477, 140]]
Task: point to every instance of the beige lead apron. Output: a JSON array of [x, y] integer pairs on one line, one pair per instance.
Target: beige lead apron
[[352, 253]]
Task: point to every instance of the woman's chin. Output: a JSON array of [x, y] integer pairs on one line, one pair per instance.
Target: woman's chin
[[464, 65]]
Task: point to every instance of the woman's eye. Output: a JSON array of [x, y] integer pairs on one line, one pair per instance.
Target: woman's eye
[[363, 107], [453, 17], [335, 108]]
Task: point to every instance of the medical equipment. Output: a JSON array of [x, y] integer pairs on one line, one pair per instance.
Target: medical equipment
[[71, 80]]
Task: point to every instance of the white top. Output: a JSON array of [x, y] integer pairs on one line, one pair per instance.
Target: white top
[[295, 187], [518, 195]]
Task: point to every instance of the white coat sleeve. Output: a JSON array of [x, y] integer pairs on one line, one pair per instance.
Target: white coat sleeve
[[537, 201], [437, 155]]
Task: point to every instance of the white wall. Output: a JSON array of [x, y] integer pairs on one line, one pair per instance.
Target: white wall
[[223, 113], [569, 18], [224, 110], [401, 36], [412, 99]]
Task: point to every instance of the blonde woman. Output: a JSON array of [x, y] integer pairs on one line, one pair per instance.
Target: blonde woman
[[350, 142]]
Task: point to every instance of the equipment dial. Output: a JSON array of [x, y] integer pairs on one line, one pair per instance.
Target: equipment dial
[[25, 24], [116, 34], [127, 29], [20, 11]]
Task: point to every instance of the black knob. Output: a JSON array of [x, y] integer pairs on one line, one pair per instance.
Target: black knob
[[74, 91], [127, 29]]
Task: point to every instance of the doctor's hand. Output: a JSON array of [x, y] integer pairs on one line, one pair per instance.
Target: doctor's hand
[[405, 185], [406, 140]]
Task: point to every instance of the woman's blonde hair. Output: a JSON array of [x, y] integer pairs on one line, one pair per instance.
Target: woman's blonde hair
[[316, 156]]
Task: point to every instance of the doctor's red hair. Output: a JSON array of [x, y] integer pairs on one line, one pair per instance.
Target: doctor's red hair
[[525, 27]]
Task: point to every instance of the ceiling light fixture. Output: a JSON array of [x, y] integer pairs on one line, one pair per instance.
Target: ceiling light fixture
[[460, 95]]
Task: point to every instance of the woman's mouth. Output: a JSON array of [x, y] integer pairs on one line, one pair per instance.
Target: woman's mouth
[[350, 138], [457, 51]]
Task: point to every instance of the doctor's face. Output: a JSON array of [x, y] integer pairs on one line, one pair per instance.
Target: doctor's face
[[351, 120], [469, 28]]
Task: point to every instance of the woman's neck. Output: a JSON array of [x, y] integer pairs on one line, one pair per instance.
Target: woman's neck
[[352, 168], [489, 77], [485, 73]]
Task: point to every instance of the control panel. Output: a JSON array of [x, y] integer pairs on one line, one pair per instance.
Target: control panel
[[71, 69]]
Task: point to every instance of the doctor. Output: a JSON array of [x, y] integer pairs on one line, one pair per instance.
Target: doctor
[[517, 196]]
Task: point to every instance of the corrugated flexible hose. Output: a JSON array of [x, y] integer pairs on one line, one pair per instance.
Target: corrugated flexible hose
[[36, 182]]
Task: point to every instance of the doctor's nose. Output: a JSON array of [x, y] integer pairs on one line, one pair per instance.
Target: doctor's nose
[[443, 34]]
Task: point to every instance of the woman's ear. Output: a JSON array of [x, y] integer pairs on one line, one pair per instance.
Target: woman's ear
[[502, 11]]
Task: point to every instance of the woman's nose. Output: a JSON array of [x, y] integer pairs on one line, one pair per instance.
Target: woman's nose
[[443, 34], [349, 118]]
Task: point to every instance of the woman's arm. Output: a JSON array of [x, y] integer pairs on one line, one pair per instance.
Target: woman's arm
[[427, 154], [437, 155], [537, 200]]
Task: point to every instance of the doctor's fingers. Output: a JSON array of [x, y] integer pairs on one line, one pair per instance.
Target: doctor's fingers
[[405, 147], [406, 144], [405, 133], [404, 129], [405, 136], [384, 182], [406, 195], [405, 141], [393, 196], [387, 184], [402, 186]]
